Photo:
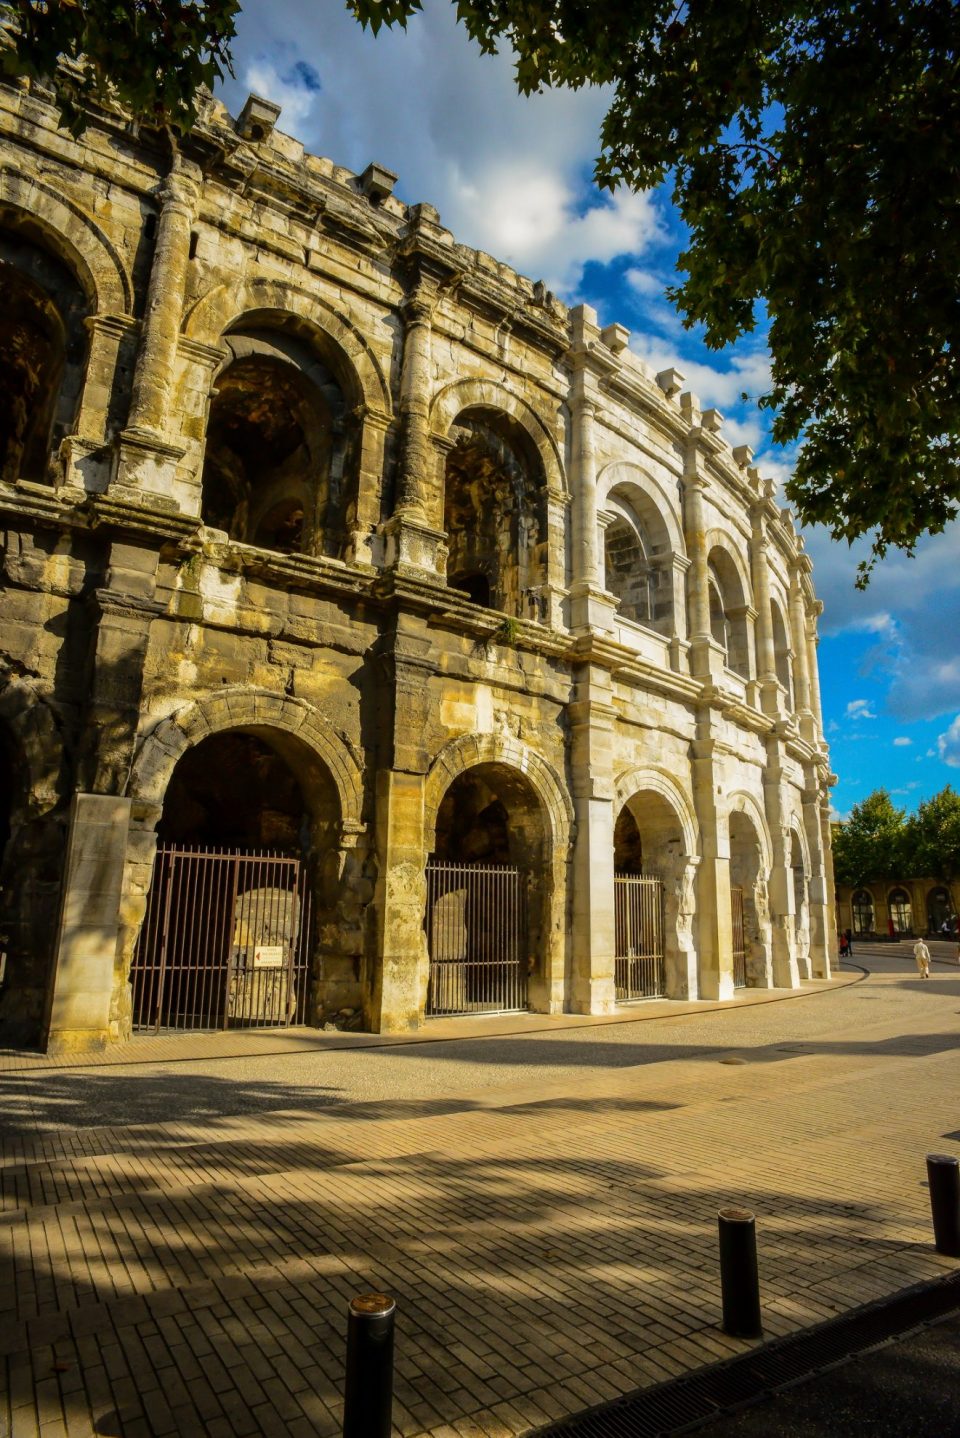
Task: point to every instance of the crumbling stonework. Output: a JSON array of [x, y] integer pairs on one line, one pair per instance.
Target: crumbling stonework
[[326, 535]]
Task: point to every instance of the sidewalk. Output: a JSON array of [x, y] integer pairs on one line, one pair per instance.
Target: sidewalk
[[550, 1239], [237, 1043]]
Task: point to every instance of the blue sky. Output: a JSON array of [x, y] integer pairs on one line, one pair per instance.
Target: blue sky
[[512, 177]]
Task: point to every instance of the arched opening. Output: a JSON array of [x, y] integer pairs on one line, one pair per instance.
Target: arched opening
[[7, 790], [901, 911], [249, 821], [728, 611], [637, 567], [862, 912], [941, 912], [494, 515], [801, 908], [278, 465], [43, 350], [487, 893], [749, 906], [653, 902], [781, 651]]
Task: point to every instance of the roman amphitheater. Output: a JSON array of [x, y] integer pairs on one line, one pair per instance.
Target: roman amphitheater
[[380, 639]]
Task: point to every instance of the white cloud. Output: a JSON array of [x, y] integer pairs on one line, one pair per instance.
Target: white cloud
[[912, 606], [901, 741], [948, 745], [860, 709], [507, 173], [748, 371]]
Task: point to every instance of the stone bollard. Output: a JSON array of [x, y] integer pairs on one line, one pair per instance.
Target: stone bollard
[[368, 1389], [739, 1281], [943, 1176]]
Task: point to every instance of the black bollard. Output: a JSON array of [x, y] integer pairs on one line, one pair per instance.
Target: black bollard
[[368, 1390], [943, 1175], [739, 1282]]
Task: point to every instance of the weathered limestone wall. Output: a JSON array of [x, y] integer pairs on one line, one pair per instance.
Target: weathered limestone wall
[[430, 452]]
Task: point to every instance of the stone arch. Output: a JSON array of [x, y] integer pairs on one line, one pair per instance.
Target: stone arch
[[160, 751], [643, 491], [57, 220], [750, 852], [268, 303], [651, 810], [35, 782], [472, 749], [464, 394], [643, 777], [799, 859], [542, 819], [741, 802], [733, 562]]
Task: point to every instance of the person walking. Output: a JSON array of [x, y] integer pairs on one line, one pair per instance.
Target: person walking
[[922, 955]]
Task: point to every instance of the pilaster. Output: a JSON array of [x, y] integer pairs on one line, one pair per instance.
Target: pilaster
[[592, 720]]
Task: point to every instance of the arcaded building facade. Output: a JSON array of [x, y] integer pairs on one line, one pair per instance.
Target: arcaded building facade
[[380, 638]]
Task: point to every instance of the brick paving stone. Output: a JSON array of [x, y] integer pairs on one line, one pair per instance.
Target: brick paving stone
[[550, 1230]]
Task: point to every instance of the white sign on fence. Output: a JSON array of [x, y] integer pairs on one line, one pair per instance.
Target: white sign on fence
[[268, 956]]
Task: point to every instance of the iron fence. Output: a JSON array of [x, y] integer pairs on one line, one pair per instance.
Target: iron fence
[[225, 941], [477, 938], [639, 967]]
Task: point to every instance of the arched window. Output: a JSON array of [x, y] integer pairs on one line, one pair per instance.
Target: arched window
[[637, 558], [728, 611], [278, 455], [781, 650], [901, 911], [43, 349], [718, 618], [494, 514], [862, 908], [627, 571], [941, 914]]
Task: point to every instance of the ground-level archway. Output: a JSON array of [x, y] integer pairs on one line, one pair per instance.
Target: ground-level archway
[[249, 821], [749, 904], [488, 892], [653, 896]]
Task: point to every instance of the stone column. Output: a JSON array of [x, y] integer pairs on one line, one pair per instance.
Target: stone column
[[786, 974], [813, 667], [414, 534], [415, 466], [591, 606], [156, 360], [396, 990], [766, 653], [823, 919], [714, 924], [798, 636], [592, 719], [583, 408], [84, 979]]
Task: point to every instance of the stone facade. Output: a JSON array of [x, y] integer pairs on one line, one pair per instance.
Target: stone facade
[[326, 534]]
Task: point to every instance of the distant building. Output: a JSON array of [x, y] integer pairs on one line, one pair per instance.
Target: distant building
[[888, 908], [380, 638]]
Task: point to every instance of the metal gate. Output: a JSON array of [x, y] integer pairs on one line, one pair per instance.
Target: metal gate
[[739, 944], [477, 938], [638, 965], [225, 941]]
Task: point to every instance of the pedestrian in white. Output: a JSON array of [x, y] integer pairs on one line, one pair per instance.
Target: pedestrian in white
[[922, 955]]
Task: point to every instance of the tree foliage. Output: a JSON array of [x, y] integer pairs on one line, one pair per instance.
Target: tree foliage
[[879, 841], [870, 844], [811, 146], [152, 56], [932, 837], [812, 150]]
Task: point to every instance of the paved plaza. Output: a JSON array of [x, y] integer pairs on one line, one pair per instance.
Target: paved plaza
[[182, 1230]]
